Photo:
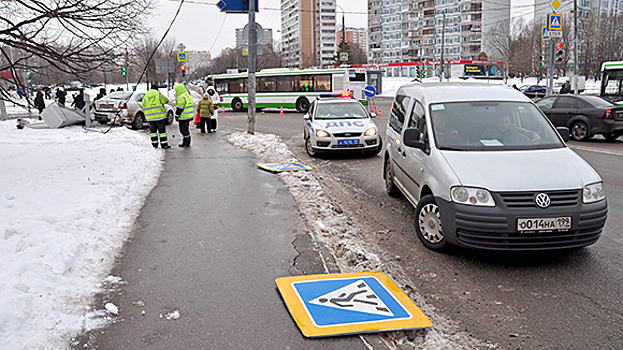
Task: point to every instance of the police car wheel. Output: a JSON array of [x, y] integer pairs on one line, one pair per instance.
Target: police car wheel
[[309, 149], [428, 224], [390, 186]]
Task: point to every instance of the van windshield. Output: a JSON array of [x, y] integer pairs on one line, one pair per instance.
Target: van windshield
[[491, 126]]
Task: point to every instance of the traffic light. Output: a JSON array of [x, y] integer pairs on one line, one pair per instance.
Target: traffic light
[[560, 52], [183, 68], [542, 61], [123, 71]]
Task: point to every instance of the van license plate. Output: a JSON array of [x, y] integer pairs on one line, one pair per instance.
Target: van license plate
[[347, 142], [544, 224]]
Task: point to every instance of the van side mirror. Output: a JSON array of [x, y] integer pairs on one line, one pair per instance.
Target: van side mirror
[[564, 132], [411, 138]]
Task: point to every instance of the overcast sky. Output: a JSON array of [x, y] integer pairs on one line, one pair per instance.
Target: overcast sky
[[199, 21]]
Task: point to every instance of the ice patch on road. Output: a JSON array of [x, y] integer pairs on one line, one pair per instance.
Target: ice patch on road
[[347, 241]]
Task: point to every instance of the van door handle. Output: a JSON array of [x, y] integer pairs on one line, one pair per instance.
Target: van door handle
[[403, 153]]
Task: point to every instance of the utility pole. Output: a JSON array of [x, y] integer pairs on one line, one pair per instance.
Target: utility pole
[[252, 56], [443, 37]]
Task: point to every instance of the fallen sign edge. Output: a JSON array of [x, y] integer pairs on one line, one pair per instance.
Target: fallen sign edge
[[266, 166], [306, 326]]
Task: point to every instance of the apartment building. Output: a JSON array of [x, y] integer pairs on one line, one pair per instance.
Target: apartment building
[[308, 32], [353, 36], [411, 30]]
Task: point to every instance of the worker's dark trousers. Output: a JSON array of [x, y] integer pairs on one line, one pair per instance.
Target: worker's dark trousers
[[158, 130], [184, 131]]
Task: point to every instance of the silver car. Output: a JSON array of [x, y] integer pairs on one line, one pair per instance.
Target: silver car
[[123, 109], [485, 169]]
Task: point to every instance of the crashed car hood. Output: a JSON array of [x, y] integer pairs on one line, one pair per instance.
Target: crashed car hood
[[554, 169]]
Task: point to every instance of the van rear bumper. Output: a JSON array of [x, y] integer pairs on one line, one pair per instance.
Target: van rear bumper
[[495, 228]]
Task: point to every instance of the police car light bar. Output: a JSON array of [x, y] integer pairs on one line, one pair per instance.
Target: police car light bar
[[346, 94]]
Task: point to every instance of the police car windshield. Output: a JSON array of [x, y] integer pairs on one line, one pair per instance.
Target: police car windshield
[[491, 126], [340, 110]]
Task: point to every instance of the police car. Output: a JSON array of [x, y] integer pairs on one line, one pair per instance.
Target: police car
[[337, 122]]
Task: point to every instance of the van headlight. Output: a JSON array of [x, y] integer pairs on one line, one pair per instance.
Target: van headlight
[[370, 132], [322, 133], [593, 192], [472, 196]]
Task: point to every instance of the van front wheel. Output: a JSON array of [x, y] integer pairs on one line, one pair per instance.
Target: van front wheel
[[428, 224]]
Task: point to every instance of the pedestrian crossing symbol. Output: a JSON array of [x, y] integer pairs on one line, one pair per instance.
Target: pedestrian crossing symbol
[[554, 21], [336, 304]]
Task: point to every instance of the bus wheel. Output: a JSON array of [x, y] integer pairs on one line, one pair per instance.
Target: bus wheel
[[237, 105], [302, 104]]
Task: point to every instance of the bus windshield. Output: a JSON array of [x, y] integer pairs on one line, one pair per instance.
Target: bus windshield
[[612, 81]]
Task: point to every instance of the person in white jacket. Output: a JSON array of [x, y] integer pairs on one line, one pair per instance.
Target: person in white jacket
[[215, 100]]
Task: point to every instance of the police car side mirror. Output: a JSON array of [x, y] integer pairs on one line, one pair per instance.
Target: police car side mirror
[[564, 132], [372, 115], [411, 138], [306, 117]]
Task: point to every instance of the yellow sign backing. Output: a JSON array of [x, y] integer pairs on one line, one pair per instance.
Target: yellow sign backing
[[347, 303]]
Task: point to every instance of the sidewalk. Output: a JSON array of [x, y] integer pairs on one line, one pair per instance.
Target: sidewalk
[[210, 240]]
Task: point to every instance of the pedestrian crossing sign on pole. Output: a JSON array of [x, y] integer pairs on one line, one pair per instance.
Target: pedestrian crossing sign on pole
[[348, 303], [554, 21], [343, 56], [181, 57]]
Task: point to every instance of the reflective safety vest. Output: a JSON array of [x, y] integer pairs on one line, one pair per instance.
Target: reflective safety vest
[[185, 102], [153, 105]]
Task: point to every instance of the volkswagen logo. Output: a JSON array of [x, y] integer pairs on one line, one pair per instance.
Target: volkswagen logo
[[542, 200]]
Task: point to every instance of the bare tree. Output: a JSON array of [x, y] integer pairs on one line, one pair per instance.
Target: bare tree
[[142, 50], [65, 37]]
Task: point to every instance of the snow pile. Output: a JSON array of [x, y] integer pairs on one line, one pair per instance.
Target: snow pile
[[347, 241], [68, 199]]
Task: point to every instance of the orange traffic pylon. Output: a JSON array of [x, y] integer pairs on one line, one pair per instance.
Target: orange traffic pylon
[[223, 110], [373, 108], [281, 113], [380, 113]]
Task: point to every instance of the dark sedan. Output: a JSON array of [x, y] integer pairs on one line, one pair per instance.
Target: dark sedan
[[585, 116], [533, 91]]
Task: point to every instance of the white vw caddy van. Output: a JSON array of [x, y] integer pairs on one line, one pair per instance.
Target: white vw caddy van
[[485, 169]]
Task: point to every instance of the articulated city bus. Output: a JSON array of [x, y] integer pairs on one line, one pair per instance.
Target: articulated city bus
[[612, 81], [287, 88]]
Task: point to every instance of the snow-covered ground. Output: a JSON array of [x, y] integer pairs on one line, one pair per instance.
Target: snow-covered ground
[[68, 199]]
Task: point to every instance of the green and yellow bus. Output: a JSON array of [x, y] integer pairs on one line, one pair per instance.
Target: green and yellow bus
[[612, 81], [287, 88]]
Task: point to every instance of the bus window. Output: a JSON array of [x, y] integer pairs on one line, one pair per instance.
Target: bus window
[[285, 84], [357, 76], [322, 83], [266, 84], [304, 83], [237, 85], [222, 86]]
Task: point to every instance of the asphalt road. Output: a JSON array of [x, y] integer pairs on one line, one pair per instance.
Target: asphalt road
[[199, 270], [548, 300]]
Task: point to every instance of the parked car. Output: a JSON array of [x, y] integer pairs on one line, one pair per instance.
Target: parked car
[[485, 169], [124, 108], [338, 122], [534, 91], [585, 116]]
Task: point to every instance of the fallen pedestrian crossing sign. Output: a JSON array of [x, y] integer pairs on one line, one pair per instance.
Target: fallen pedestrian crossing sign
[[280, 167], [348, 303]]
